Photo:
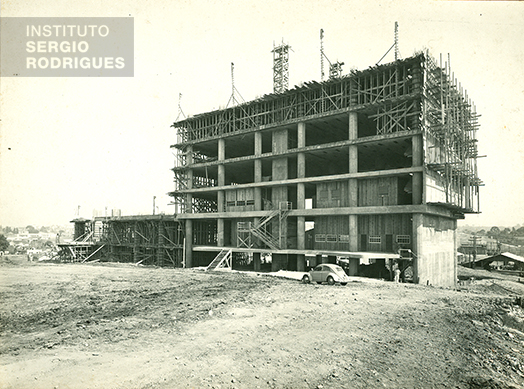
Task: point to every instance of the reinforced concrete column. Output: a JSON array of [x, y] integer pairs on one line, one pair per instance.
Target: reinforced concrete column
[[353, 233], [258, 171], [221, 194], [301, 242], [279, 193], [189, 203], [279, 262], [220, 222], [221, 203], [418, 160], [301, 166], [189, 244], [352, 182], [189, 196], [418, 265], [221, 174], [301, 197], [221, 149], [301, 157], [353, 266], [220, 233], [256, 261]]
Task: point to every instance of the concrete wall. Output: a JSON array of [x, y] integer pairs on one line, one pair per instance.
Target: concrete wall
[[435, 250]]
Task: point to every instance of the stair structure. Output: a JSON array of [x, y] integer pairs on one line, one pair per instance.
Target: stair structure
[[246, 231], [223, 258]]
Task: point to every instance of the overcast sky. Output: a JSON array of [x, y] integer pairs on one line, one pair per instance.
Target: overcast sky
[[104, 142]]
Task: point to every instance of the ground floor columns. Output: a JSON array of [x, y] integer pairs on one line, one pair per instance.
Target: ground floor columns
[[188, 260], [418, 222], [256, 261], [301, 242], [279, 262], [353, 266]]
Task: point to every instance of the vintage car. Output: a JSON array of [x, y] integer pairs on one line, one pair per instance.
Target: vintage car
[[326, 272]]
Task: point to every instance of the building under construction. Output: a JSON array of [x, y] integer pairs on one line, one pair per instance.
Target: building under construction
[[357, 168], [143, 239], [370, 170]]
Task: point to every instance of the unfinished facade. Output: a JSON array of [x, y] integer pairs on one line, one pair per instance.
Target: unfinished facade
[[371, 163]]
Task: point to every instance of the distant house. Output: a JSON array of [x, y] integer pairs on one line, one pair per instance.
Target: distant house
[[507, 261]]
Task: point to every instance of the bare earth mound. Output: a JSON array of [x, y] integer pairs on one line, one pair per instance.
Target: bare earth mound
[[121, 326]]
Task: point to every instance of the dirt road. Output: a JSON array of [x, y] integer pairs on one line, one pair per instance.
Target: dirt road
[[121, 326]]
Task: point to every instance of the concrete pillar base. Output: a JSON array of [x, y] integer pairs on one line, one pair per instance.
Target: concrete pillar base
[[301, 262], [279, 262], [256, 261], [353, 266]]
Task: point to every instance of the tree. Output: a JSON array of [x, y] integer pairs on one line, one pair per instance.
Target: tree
[[4, 243], [31, 230], [494, 231]]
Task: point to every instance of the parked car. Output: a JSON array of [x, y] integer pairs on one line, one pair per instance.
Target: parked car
[[326, 272]]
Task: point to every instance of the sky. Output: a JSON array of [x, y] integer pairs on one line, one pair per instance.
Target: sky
[[71, 145]]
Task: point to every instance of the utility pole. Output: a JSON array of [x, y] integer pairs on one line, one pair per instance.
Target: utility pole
[[154, 198], [474, 239]]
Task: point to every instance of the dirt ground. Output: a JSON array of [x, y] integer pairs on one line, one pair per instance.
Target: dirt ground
[[122, 326]]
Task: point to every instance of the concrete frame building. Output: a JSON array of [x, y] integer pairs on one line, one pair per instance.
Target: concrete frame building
[[376, 161]]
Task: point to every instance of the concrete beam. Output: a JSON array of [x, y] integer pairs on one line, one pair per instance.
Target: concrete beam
[[335, 177], [325, 146], [379, 210]]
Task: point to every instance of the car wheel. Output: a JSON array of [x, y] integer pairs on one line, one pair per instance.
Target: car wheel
[[343, 283], [305, 279], [330, 280]]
